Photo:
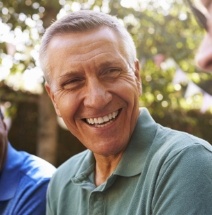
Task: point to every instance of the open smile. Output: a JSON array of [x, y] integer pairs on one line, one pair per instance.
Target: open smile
[[104, 120]]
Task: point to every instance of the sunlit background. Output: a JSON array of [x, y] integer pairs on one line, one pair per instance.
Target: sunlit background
[[17, 40], [175, 91]]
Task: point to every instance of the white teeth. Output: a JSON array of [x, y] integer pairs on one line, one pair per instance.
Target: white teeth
[[101, 120], [106, 118], [114, 114], [91, 121]]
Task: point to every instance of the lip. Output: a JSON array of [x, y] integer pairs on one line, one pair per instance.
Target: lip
[[103, 121]]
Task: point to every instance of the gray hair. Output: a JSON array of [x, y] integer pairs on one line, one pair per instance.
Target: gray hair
[[82, 21]]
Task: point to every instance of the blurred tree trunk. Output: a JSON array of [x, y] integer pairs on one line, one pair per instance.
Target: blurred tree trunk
[[47, 130], [47, 122]]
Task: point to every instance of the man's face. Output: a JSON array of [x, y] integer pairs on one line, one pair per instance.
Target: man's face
[[204, 54], [94, 89]]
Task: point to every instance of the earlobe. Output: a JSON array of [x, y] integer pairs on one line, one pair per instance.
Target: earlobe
[[52, 97]]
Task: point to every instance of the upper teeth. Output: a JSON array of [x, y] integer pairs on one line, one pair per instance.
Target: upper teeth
[[104, 119]]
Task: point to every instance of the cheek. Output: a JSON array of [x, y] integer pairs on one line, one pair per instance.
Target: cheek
[[132, 85], [129, 91], [67, 103]]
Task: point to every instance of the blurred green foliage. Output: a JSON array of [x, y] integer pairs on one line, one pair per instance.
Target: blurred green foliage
[[170, 31]]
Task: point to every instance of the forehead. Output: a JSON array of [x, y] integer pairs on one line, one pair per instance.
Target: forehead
[[75, 51], [73, 39]]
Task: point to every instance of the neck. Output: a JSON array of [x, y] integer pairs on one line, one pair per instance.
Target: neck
[[105, 166]]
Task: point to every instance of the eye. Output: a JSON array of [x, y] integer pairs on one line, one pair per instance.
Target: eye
[[111, 73], [72, 83]]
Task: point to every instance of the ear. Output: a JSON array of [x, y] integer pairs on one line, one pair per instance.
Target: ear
[[52, 97], [138, 76]]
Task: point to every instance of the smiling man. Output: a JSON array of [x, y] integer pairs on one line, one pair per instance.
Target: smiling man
[[132, 165]]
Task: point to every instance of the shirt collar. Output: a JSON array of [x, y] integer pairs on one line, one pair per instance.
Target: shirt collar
[[10, 174], [133, 160]]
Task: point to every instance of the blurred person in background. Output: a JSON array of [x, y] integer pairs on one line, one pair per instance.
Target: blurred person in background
[[202, 9], [23, 179]]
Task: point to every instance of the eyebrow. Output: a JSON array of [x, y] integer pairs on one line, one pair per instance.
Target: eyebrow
[[69, 74], [109, 63], [100, 65]]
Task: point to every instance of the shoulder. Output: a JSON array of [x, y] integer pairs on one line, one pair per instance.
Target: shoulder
[[73, 165], [27, 178], [37, 168], [176, 148], [173, 141], [182, 164], [35, 176], [62, 180], [25, 164], [67, 171]]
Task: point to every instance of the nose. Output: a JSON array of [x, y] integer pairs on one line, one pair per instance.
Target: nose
[[204, 54], [97, 94]]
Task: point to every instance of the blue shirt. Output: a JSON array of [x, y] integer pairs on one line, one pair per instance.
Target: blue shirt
[[23, 183], [162, 172]]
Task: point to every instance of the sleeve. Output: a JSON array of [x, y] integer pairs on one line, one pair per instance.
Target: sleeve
[[184, 185], [30, 198]]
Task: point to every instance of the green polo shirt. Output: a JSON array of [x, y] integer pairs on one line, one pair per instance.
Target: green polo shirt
[[162, 172]]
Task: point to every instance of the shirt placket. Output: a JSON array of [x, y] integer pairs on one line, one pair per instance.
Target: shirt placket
[[96, 204]]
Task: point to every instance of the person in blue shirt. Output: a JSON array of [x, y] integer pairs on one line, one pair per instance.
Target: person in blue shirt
[[23, 179]]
